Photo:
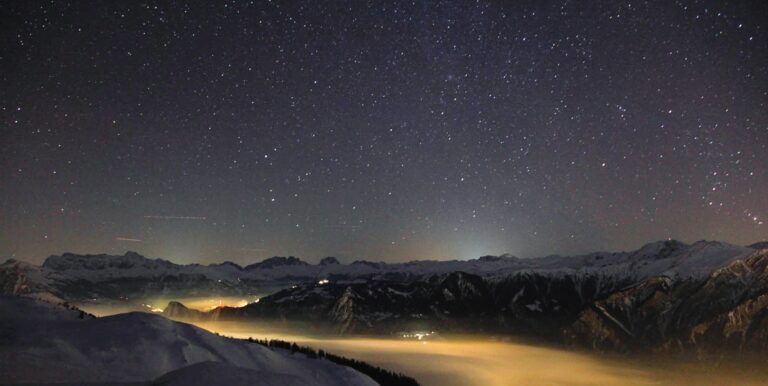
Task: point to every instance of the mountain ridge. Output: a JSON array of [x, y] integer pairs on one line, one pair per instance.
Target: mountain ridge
[[725, 311], [74, 276], [53, 344]]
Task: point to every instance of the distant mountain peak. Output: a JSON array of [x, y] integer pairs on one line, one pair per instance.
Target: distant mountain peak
[[710, 243], [490, 258], [659, 245], [277, 261], [366, 262], [227, 264], [330, 260], [129, 260], [759, 245]]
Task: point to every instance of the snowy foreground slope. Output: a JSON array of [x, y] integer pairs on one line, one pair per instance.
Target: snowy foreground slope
[[45, 343]]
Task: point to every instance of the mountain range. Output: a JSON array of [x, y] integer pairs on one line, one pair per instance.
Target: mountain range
[[666, 296], [725, 311], [73, 276]]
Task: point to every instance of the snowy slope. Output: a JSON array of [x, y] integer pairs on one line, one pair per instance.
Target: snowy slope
[[217, 373], [43, 343]]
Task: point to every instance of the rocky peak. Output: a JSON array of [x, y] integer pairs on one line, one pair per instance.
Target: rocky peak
[[461, 285], [277, 261], [228, 264], [368, 263], [330, 260], [343, 311], [177, 310], [661, 249], [133, 255]]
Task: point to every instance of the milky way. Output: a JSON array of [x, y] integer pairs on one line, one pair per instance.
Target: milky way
[[235, 131]]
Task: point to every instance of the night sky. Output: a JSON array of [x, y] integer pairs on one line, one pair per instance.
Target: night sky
[[236, 131]]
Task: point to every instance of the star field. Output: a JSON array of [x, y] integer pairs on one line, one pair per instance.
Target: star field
[[211, 131]]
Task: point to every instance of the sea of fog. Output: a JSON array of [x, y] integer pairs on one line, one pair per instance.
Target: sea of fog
[[479, 360]]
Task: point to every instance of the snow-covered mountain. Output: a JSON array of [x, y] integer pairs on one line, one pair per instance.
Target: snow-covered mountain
[[46, 343], [727, 311], [723, 311], [599, 299], [106, 276], [20, 278], [457, 300]]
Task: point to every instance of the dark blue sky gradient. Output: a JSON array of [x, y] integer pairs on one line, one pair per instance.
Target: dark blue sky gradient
[[384, 131]]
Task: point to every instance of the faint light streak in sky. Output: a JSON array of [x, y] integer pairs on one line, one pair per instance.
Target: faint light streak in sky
[[128, 239]]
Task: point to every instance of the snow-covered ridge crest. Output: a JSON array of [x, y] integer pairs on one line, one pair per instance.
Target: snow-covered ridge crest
[[130, 261], [55, 345]]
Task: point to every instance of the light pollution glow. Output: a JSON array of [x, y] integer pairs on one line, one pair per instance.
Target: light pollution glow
[[481, 360], [158, 304], [478, 360]]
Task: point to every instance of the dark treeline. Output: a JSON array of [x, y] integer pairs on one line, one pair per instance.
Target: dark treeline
[[82, 314], [382, 376]]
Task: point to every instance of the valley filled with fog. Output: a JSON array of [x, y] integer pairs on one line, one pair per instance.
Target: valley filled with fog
[[156, 304], [472, 359]]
